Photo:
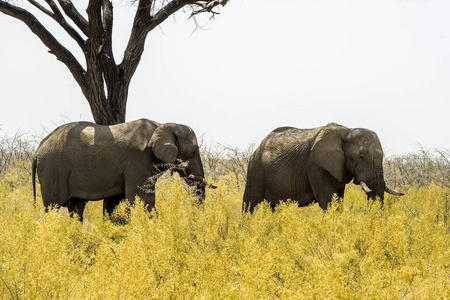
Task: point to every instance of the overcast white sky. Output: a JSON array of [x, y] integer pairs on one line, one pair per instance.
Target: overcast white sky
[[261, 64]]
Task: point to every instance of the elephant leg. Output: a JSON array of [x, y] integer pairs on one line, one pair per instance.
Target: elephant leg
[[77, 206], [147, 196], [254, 190], [340, 192], [323, 186], [272, 206], [110, 203]]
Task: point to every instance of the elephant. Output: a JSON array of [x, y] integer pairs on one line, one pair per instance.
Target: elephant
[[83, 161], [308, 165]]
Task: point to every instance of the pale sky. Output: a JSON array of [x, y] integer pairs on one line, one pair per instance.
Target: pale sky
[[261, 64]]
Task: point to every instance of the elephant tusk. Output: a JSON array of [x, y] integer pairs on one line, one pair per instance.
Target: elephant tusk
[[365, 187], [392, 191], [202, 181], [199, 179]]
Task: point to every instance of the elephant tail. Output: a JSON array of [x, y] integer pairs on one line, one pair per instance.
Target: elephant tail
[[33, 177]]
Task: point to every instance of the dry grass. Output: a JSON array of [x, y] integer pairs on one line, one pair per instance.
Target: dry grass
[[421, 168], [185, 250], [355, 250]]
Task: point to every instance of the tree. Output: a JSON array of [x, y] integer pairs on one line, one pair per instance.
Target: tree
[[103, 82]]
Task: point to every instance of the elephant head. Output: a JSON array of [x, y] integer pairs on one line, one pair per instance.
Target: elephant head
[[171, 142], [352, 154]]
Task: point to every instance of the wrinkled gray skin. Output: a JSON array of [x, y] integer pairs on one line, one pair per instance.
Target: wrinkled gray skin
[[310, 165], [84, 161]]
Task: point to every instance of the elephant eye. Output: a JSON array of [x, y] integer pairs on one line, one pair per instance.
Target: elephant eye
[[361, 157]]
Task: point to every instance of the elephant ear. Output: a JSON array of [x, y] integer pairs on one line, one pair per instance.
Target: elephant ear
[[328, 152], [164, 143]]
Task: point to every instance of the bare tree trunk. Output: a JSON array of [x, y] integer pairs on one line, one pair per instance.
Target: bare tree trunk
[[108, 110], [104, 88]]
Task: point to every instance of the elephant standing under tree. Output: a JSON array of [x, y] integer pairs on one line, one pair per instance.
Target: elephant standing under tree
[[313, 164], [83, 161]]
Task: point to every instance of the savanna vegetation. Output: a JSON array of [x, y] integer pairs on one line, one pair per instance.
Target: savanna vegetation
[[355, 250]]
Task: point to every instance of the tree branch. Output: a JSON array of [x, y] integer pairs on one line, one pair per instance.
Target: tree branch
[[144, 8], [169, 9], [97, 35], [108, 28], [56, 15], [144, 22], [97, 40], [41, 8], [75, 16], [47, 38], [207, 6], [109, 67], [59, 18], [142, 25]]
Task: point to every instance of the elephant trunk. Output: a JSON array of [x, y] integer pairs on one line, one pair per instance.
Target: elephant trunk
[[195, 175], [202, 181], [201, 185], [374, 190]]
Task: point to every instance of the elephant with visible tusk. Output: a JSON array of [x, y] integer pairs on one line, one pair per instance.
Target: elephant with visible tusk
[[308, 165], [83, 161]]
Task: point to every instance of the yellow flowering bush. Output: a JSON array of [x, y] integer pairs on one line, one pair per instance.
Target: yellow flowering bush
[[357, 249]]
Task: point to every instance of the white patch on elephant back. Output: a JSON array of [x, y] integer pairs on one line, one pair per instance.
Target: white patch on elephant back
[[87, 135]]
